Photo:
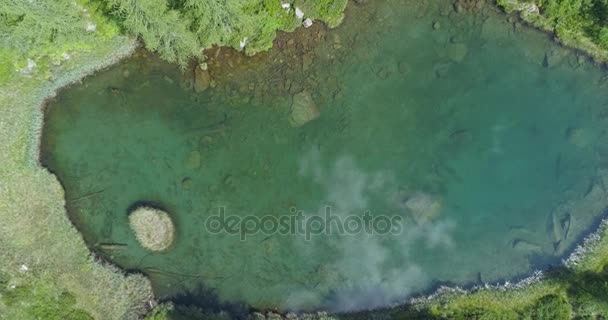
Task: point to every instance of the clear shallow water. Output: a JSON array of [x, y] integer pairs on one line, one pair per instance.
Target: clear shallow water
[[500, 129]]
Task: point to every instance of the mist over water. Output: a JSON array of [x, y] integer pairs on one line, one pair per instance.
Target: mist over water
[[483, 137]]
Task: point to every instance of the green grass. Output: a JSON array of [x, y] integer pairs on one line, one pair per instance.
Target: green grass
[[46, 270]]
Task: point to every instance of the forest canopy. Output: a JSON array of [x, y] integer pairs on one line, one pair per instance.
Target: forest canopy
[[178, 29], [45, 32], [587, 16]]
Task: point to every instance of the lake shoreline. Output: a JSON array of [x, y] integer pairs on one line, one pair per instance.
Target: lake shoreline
[[66, 80]]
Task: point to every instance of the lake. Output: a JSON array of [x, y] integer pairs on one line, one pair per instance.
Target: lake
[[345, 169]]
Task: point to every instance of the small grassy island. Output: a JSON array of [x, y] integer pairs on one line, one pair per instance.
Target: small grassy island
[[49, 269], [152, 227]]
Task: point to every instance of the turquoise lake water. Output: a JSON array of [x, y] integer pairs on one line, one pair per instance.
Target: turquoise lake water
[[485, 138]]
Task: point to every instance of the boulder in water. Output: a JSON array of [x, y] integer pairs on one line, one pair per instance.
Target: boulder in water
[[202, 79], [303, 109], [186, 80], [193, 160], [457, 51], [423, 207], [404, 67], [553, 58], [441, 69], [580, 137]]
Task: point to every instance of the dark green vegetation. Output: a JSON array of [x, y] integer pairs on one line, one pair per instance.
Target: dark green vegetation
[[179, 29], [45, 31], [582, 24], [587, 16]]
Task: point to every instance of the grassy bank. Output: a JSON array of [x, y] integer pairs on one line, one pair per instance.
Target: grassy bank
[[46, 271]]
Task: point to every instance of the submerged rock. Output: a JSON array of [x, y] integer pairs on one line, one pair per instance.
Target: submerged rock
[[186, 183], [383, 72], [202, 79], [153, 228], [186, 80], [307, 60], [495, 30], [193, 160], [303, 109], [457, 51], [457, 38], [580, 137], [404, 68], [558, 227], [441, 69], [526, 246], [553, 58], [423, 207]]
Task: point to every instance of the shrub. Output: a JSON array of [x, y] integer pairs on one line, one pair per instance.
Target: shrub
[[162, 29], [179, 29]]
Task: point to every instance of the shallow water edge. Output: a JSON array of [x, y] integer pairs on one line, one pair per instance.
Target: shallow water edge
[[67, 79]]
